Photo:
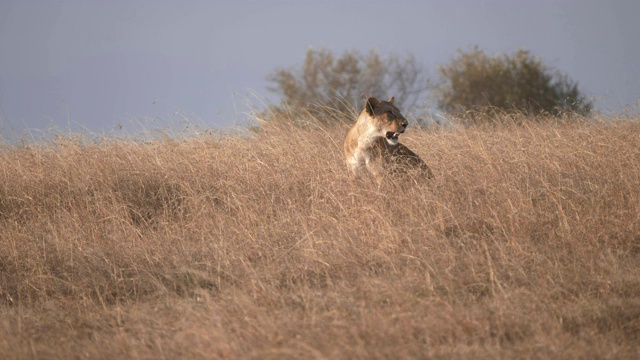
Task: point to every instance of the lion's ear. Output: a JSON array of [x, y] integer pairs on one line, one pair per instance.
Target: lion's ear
[[371, 104], [391, 100]]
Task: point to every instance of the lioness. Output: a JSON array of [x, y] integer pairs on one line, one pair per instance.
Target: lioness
[[373, 142]]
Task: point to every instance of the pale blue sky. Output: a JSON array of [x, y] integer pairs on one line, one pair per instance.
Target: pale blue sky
[[96, 65]]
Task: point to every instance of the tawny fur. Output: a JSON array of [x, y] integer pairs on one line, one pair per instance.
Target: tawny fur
[[372, 143]]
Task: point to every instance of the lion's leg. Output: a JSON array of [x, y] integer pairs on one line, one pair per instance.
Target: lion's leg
[[355, 169], [356, 164], [375, 168]]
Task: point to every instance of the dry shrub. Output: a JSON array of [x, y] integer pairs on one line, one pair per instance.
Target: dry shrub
[[526, 244]]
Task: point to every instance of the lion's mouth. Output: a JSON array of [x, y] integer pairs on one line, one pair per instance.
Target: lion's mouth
[[392, 137]]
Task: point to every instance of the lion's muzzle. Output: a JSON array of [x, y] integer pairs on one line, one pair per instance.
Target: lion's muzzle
[[392, 137]]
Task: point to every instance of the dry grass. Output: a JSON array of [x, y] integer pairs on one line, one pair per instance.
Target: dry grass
[[526, 245]]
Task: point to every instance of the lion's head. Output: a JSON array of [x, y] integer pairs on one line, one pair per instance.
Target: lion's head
[[386, 119]]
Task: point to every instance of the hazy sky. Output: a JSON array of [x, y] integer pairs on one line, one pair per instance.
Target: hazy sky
[[99, 65]]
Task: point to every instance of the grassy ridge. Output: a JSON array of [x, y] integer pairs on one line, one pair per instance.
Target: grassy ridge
[[527, 244]]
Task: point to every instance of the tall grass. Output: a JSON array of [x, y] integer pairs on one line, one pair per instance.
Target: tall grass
[[525, 245]]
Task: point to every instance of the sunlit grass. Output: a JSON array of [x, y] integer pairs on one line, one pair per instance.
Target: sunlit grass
[[526, 244]]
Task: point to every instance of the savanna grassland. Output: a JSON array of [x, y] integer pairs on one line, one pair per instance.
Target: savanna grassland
[[525, 245]]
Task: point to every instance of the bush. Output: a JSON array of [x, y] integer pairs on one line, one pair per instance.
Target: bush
[[474, 83], [326, 85]]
